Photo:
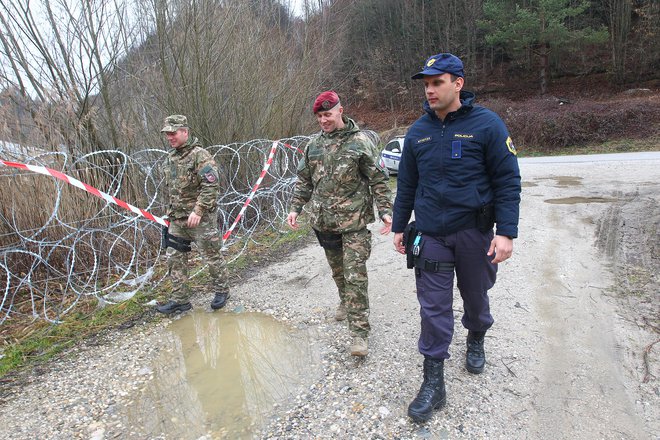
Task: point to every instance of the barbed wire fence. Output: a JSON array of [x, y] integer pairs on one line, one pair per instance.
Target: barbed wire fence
[[96, 248]]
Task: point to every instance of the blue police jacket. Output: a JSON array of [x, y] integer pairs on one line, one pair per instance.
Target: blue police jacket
[[451, 169]]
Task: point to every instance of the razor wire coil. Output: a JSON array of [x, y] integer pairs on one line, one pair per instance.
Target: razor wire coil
[[108, 252]]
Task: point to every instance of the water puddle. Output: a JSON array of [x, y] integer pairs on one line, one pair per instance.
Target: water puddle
[[564, 181], [576, 200], [223, 376]]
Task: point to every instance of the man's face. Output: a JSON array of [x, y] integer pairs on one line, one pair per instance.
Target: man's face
[[177, 138], [330, 120], [443, 94]]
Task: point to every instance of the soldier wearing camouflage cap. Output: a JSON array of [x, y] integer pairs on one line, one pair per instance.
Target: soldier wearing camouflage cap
[[191, 176], [339, 178]]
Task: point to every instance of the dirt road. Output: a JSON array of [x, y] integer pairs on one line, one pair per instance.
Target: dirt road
[[575, 310]]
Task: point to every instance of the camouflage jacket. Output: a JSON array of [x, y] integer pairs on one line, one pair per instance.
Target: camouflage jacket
[[191, 176], [340, 177]]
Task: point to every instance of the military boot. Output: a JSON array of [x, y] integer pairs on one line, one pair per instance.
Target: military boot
[[173, 307], [475, 357], [219, 300], [432, 393], [359, 346]]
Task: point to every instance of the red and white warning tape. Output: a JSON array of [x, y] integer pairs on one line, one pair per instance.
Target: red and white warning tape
[[269, 160], [111, 199], [85, 187]]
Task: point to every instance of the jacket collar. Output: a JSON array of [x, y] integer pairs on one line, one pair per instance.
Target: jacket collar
[[467, 101], [186, 148], [350, 127]]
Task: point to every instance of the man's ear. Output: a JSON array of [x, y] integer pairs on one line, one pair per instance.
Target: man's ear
[[459, 83]]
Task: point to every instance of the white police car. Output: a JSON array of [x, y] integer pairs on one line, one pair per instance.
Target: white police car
[[391, 154]]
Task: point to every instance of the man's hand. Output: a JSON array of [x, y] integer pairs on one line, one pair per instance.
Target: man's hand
[[387, 226], [503, 248], [291, 220], [193, 220], [398, 243]]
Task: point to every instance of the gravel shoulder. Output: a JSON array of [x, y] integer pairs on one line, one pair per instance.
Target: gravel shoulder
[[571, 353]]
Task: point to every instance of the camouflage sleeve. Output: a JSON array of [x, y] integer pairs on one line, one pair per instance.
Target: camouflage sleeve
[[377, 176], [207, 173], [304, 186]]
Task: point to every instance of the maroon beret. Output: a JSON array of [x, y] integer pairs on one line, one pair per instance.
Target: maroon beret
[[325, 101]]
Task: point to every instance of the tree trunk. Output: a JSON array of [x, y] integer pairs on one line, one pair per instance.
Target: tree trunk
[[545, 67], [619, 12]]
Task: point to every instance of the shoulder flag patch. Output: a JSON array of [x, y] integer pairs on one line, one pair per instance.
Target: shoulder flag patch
[[210, 177]]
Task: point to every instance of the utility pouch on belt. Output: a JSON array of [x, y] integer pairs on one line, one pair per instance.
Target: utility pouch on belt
[[178, 243], [329, 240], [412, 240], [486, 218]]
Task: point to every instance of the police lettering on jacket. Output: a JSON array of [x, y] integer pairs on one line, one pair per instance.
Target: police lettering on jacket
[[340, 177], [191, 176]]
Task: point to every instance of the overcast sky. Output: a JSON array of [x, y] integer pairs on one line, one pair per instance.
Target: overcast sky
[[296, 6]]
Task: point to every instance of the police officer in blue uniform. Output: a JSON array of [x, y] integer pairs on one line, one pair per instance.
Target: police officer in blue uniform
[[460, 175]]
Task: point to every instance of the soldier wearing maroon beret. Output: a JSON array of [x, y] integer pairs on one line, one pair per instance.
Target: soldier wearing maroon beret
[[339, 179]]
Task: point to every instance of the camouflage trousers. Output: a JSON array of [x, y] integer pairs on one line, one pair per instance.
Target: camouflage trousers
[[349, 270], [209, 242]]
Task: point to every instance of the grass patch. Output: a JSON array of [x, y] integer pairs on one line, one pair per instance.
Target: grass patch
[[26, 342]]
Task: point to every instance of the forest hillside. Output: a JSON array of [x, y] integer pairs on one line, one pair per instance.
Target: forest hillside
[[89, 76]]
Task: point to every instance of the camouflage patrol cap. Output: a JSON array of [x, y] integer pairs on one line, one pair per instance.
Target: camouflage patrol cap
[[174, 122]]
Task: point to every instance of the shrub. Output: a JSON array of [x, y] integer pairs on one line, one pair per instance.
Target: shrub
[[549, 124]]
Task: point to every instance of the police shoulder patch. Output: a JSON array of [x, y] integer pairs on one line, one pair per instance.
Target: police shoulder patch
[[510, 146]]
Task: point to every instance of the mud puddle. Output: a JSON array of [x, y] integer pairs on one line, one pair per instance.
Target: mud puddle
[[578, 200], [222, 375], [564, 181]]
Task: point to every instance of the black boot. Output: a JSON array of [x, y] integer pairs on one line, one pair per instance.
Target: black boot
[[220, 300], [432, 394], [475, 357], [173, 307]]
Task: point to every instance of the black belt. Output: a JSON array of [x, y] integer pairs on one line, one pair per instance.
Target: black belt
[[432, 265]]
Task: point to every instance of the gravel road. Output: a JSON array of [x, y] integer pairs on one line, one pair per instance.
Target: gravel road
[[570, 355]]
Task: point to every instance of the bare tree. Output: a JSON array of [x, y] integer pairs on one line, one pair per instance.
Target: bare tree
[[61, 53]]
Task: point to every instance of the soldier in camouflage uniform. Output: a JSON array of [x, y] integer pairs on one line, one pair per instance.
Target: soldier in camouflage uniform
[[191, 176], [339, 178]]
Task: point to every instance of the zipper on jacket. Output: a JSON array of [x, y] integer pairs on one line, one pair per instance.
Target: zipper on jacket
[[442, 169]]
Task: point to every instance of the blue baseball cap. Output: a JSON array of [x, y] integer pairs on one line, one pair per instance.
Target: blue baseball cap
[[441, 63]]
